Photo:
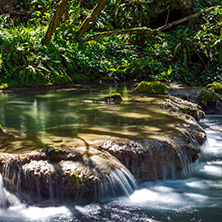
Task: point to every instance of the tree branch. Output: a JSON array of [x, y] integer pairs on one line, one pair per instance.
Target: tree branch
[[87, 23], [146, 30], [55, 21]]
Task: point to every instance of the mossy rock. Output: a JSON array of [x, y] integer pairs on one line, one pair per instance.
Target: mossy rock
[[209, 99], [155, 87], [113, 98], [4, 86], [216, 86]]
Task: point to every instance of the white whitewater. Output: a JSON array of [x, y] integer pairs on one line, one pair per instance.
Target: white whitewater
[[6, 198], [120, 182], [197, 197]]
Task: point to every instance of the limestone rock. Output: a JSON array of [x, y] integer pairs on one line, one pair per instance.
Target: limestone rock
[[72, 176], [113, 98], [153, 159], [207, 98]]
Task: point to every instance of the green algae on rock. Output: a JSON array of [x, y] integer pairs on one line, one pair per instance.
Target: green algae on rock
[[112, 98], [216, 86], [209, 99], [155, 87], [4, 86]]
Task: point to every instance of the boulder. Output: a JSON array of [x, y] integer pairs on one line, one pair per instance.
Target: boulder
[[155, 87], [112, 98]]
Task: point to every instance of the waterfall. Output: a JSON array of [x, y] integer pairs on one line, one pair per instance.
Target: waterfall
[[120, 182]]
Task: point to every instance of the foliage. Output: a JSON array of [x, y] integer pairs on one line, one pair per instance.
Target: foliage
[[190, 53]]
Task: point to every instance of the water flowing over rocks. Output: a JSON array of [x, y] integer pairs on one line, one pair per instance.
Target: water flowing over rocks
[[154, 160], [72, 176], [156, 139]]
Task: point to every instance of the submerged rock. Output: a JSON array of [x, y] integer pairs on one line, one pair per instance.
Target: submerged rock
[[113, 98], [155, 87]]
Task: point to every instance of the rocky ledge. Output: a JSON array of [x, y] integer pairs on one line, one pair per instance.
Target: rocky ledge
[[157, 139]]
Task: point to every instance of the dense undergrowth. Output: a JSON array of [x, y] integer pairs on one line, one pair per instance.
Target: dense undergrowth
[[190, 53]]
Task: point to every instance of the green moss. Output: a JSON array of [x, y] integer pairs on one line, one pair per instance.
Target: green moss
[[208, 97], [155, 87], [52, 153], [114, 96], [216, 86], [4, 86], [78, 181]]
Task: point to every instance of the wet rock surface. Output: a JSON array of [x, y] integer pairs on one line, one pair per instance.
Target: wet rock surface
[[70, 176], [207, 98]]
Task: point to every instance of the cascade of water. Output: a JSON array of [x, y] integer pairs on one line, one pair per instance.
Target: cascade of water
[[6, 198], [120, 182], [185, 160], [153, 162], [3, 201]]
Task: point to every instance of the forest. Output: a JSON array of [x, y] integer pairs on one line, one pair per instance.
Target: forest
[[134, 42]]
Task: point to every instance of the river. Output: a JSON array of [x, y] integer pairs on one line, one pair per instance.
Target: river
[[198, 198]]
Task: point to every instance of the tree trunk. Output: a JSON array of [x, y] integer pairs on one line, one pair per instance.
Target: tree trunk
[[55, 21], [87, 23]]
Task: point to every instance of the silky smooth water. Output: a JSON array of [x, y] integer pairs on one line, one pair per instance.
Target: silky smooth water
[[198, 198]]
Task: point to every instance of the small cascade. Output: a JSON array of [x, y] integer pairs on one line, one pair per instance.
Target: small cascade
[[3, 200], [168, 172], [120, 182], [26, 179], [186, 163], [153, 162], [6, 198]]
